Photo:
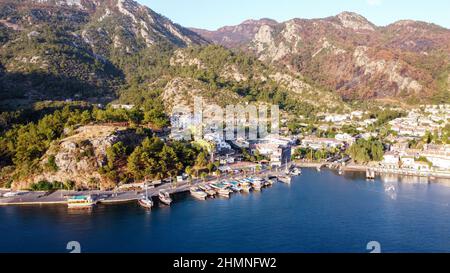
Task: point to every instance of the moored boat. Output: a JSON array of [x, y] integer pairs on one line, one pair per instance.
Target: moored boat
[[296, 171], [273, 179], [164, 197], [145, 201], [198, 193], [246, 187], [222, 189], [284, 179], [81, 202], [224, 193], [234, 186], [256, 184], [208, 190]]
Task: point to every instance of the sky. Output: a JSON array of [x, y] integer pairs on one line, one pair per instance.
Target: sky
[[213, 14]]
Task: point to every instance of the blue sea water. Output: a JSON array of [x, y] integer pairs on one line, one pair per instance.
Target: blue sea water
[[318, 212]]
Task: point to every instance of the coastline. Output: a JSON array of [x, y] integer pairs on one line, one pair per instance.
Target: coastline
[[102, 197], [115, 197], [378, 170]]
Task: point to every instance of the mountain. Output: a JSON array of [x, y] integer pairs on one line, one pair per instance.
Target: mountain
[[407, 60], [57, 49], [223, 77], [233, 36], [118, 49]]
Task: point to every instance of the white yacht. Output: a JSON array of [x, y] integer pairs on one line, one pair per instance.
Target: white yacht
[[164, 197], [198, 193]]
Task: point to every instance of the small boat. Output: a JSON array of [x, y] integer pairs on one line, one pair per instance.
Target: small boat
[[81, 202], [246, 187], [267, 183], [341, 172], [296, 172], [284, 179], [198, 193], [273, 179], [234, 186], [318, 169], [145, 201], [221, 189], [208, 190], [164, 197], [257, 184], [224, 193]]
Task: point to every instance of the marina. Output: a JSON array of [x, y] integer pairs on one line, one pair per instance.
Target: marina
[[222, 187], [304, 219]]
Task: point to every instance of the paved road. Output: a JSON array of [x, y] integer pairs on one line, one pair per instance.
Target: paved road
[[60, 197]]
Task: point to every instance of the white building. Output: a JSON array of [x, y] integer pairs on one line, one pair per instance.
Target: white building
[[218, 140], [321, 143], [391, 158], [337, 118], [345, 138], [123, 106]]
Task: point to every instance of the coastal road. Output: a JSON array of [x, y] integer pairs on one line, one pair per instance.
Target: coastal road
[[111, 197]]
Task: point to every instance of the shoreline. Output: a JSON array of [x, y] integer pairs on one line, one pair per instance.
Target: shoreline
[[379, 170], [114, 198]]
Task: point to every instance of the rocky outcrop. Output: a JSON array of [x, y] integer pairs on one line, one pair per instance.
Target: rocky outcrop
[[179, 58], [355, 21], [79, 157], [181, 92], [234, 36]]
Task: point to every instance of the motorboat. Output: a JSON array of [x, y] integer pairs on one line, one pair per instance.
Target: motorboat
[[234, 186], [296, 171], [273, 179], [246, 186], [284, 179], [164, 197], [198, 193], [222, 189], [208, 190], [257, 184]]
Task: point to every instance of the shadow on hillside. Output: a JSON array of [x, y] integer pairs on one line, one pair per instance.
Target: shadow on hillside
[[19, 90]]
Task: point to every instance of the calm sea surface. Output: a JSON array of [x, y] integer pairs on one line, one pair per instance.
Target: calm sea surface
[[319, 212]]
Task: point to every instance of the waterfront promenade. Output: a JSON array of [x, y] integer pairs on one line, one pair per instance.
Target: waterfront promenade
[[114, 196]]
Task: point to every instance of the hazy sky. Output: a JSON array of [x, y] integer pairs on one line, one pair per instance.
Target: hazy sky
[[212, 14]]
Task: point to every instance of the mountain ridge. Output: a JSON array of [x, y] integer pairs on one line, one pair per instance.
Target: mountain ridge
[[54, 49], [351, 55]]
